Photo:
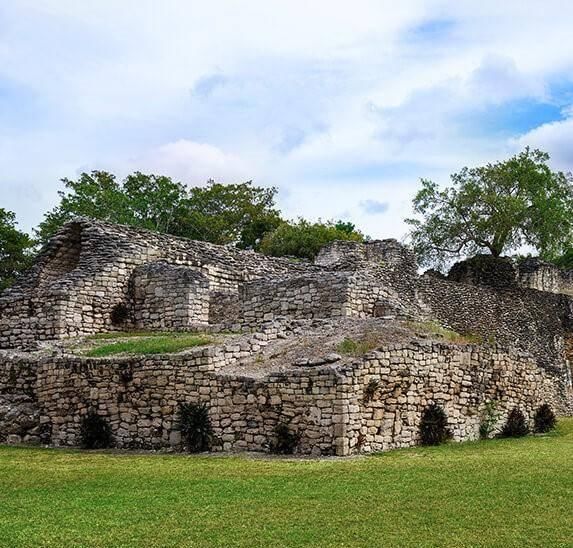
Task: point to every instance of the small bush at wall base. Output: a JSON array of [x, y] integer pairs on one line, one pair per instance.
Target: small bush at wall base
[[489, 419], [195, 426], [286, 441], [515, 426], [95, 432], [544, 419], [434, 426]]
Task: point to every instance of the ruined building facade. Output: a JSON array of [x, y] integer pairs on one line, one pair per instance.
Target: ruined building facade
[[95, 277]]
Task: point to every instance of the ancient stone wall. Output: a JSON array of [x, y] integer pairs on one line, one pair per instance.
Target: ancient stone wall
[[532, 320], [543, 276], [359, 294], [311, 296], [84, 273], [167, 296], [332, 408], [397, 383]]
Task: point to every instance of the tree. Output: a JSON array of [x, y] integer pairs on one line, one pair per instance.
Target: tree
[[145, 201], [495, 209], [97, 195], [16, 249], [238, 214], [304, 239]]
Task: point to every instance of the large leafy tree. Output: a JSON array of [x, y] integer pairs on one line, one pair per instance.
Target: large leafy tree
[[16, 249], [495, 209], [146, 201], [239, 214], [304, 239]]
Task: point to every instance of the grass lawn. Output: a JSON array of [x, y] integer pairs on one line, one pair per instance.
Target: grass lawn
[[498, 493], [144, 343]]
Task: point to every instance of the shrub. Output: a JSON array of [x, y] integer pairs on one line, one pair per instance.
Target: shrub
[[95, 432], [371, 389], [433, 426], [488, 420], [195, 426], [544, 419], [516, 425], [286, 441]]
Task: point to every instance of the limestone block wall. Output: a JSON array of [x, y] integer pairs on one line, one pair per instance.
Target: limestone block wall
[[310, 296], [224, 307], [140, 398], [84, 272], [358, 294], [532, 320], [460, 379], [19, 413], [332, 408], [167, 296]]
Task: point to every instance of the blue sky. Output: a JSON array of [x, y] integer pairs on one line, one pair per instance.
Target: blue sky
[[342, 106]]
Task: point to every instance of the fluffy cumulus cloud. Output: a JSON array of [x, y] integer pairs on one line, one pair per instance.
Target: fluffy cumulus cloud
[[342, 109]]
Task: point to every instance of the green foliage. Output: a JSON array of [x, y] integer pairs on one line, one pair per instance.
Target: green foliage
[[489, 419], [145, 201], [95, 432], [544, 419], [195, 426], [565, 260], [507, 493], [434, 426], [304, 239], [371, 389], [285, 441], [515, 426], [237, 214], [435, 329], [16, 249], [149, 345], [358, 347], [495, 208]]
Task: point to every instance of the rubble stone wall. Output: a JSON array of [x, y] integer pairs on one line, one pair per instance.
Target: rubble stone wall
[[327, 406], [169, 296], [404, 380], [84, 272], [532, 320]]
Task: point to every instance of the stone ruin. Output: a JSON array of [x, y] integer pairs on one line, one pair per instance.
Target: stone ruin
[[277, 327]]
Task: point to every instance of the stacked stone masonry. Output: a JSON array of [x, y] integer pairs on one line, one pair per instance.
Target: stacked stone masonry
[[96, 277]]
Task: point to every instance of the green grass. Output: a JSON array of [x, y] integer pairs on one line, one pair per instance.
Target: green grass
[[147, 345], [358, 347], [130, 334], [498, 493], [434, 328]]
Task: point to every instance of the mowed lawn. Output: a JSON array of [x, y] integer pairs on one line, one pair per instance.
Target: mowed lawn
[[498, 493]]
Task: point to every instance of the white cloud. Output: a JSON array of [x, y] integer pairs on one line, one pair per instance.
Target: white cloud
[[554, 138], [336, 104], [193, 163]]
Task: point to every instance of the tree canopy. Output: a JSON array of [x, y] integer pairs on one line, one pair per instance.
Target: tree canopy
[[304, 239], [495, 209], [238, 214], [15, 249], [145, 201]]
